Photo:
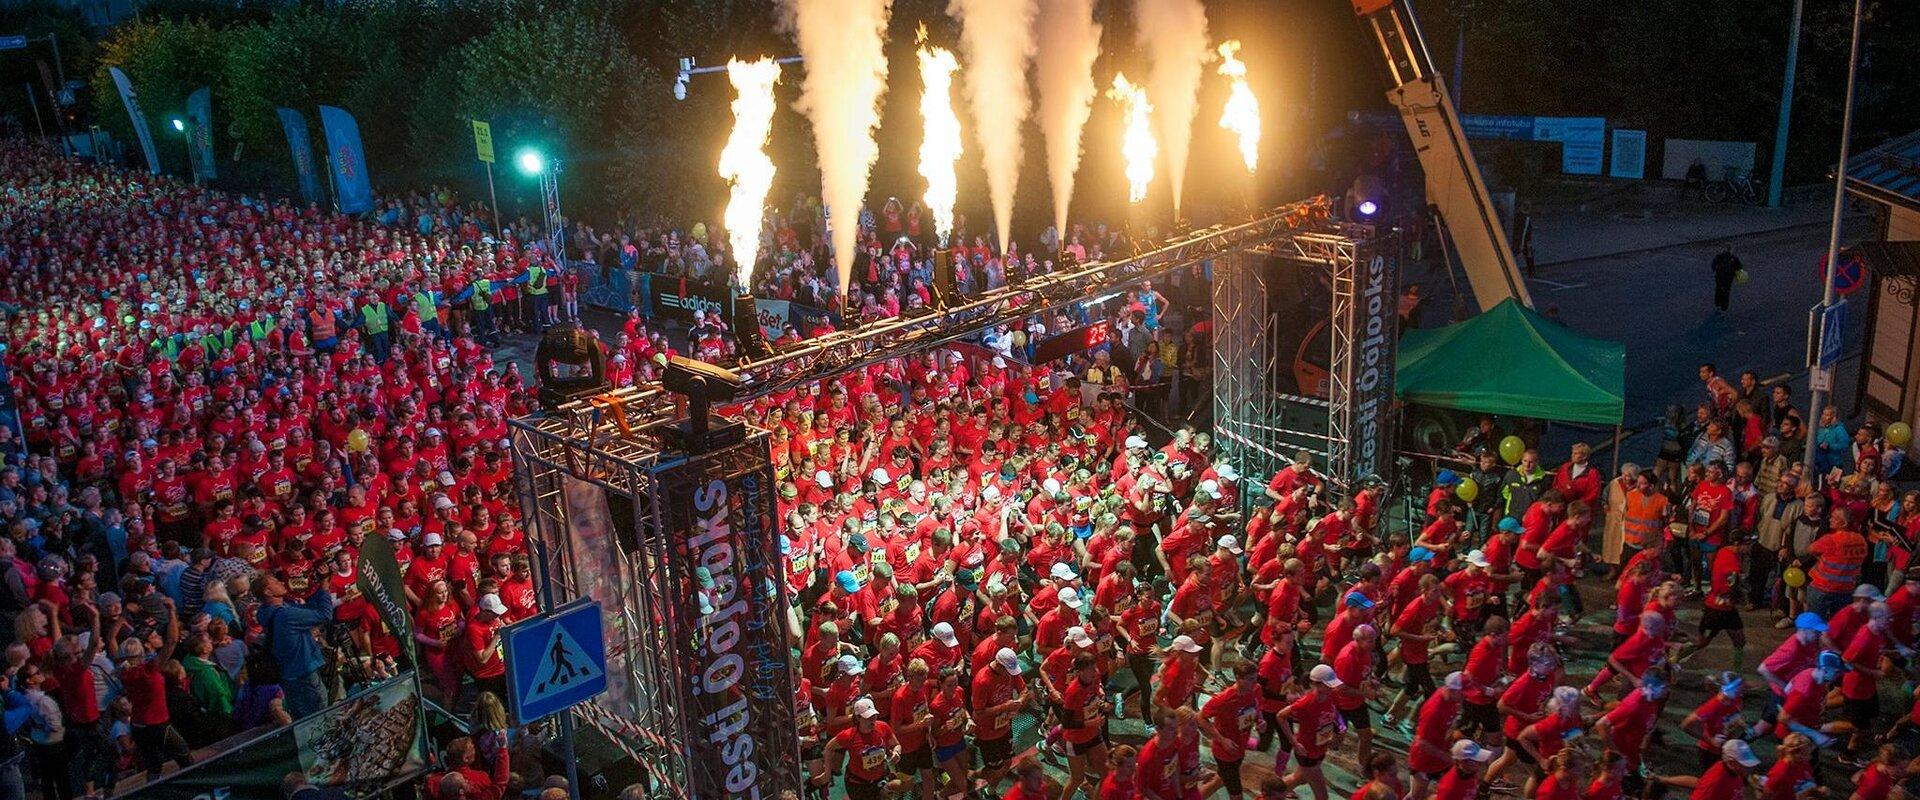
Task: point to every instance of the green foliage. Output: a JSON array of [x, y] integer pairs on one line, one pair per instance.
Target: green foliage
[[299, 60], [165, 60]]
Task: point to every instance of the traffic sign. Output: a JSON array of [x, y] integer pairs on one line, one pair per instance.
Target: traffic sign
[[1851, 275], [1833, 326], [555, 660], [483, 140], [17, 41]]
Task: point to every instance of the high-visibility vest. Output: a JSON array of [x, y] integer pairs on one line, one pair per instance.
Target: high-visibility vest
[[1644, 522], [169, 347], [374, 315], [482, 291], [423, 303], [1839, 569], [536, 280], [259, 329], [321, 320]]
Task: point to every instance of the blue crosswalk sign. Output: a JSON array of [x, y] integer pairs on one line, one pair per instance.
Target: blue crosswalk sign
[[555, 660]]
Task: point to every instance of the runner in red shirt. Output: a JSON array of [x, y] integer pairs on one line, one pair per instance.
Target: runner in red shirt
[[1463, 781], [1228, 719], [1083, 710], [869, 746], [1428, 753], [998, 693], [1724, 590], [1315, 725], [911, 720]]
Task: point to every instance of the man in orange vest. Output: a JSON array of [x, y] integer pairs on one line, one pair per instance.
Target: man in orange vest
[[1836, 567], [322, 329], [1644, 518]]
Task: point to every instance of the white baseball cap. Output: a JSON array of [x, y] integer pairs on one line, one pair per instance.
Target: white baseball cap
[[1478, 558], [1227, 473], [944, 632], [851, 665], [442, 502], [1050, 486], [1210, 486], [824, 478], [880, 475], [1230, 544], [1740, 753], [1063, 572], [1470, 750], [863, 708], [1077, 636], [1008, 660], [1323, 674], [1136, 442], [1186, 644], [1456, 680], [491, 602], [431, 539], [1070, 598], [990, 492]]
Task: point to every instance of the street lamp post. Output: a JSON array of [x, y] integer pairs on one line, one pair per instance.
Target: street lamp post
[[185, 129], [1820, 396], [532, 162]]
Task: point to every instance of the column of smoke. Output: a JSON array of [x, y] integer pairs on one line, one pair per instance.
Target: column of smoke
[[844, 45], [1070, 42], [1174, 33], [997, 38]]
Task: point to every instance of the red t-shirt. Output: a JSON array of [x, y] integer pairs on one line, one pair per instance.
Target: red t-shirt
[[1234, 714], [1719, 783], [866, 752], [992, 687], [1316, 723], [146, 689], [1435, 723]]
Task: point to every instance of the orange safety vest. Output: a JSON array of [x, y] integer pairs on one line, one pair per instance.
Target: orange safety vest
[[1645, 518], [322, 322], [1838, 567]]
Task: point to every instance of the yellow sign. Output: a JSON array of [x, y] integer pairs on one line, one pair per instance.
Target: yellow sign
[[483, 140]]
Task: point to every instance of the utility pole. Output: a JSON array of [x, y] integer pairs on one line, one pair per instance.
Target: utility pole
[[1778, 172], [1821, 397]]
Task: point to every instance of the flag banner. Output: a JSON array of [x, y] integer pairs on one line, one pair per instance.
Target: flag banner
[[200, 132], [352, 187], [1375, 343], [361, 746], [301, 145], [138, 120], [377, 578]]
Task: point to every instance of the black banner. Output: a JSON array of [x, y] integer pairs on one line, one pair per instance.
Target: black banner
[[730, 631], [1375, 342], [668, 297]]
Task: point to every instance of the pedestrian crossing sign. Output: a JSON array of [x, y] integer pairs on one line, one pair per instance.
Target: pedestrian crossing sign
[[555, 660]]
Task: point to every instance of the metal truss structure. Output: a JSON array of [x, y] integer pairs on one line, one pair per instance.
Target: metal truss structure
[[587, 432], [1263, 426]]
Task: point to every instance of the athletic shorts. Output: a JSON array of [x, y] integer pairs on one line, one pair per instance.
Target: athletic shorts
[[1360, 718], [912, 761], [1307, 760], [946, 753], [1229, 776], [860, 790], [995, 752], [1479, 718], [1861, 712], [1720, 619]]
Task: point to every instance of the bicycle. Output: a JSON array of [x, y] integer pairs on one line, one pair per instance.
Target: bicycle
[[1738, 186]]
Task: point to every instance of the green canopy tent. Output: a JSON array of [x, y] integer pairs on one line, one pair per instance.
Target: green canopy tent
[[1513, 362]]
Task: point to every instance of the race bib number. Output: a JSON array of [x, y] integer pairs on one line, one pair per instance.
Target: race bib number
[[873, 759]]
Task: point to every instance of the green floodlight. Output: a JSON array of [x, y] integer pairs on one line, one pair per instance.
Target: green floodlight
[[530, 161], [179, 124]]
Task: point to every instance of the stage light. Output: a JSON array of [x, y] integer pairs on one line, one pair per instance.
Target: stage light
[[1368, 208], [703, 385], [179, 124], [1366, 199], [743, 315], [568, 345], [680, 80], [530, 161]]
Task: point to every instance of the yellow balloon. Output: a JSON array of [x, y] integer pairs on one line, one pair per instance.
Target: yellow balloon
[[1794, 577], [357, 441], [1467, 490], [1511, 449], [1899, 434]]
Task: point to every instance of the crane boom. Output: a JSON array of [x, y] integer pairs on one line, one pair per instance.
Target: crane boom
[[1454, 186]]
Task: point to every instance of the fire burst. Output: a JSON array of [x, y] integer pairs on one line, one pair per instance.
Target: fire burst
[[1137, 146], [941, 147], [1242, 113], [744, 162]]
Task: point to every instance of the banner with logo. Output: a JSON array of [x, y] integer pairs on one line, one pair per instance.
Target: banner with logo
[[377, 578], [1376, 340], [773, 315], [730, 629], [138, 119], [670, 297], [300, 144], [361, 746], [200, 132], [352, 188]]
